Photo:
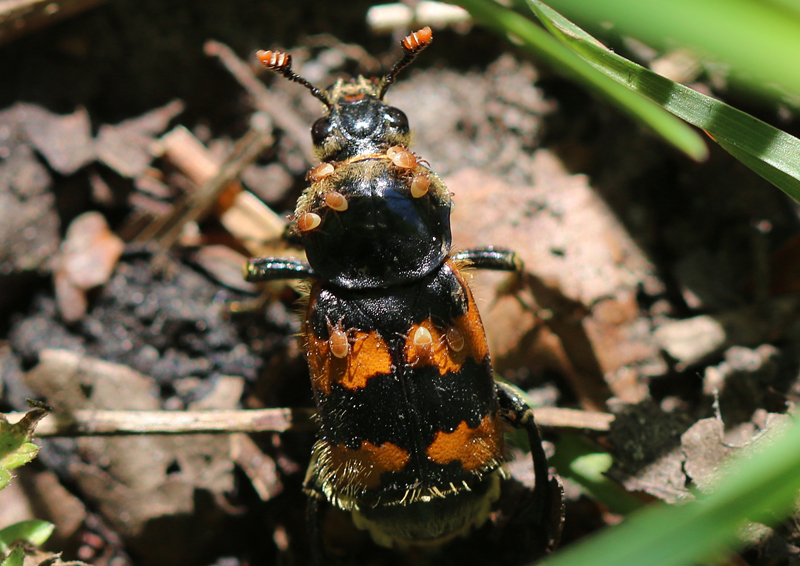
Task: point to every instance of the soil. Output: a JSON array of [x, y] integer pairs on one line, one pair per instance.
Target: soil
[[654, 286]]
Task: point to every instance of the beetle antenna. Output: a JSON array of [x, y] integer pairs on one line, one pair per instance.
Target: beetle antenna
[[281, 63], [412, 46]]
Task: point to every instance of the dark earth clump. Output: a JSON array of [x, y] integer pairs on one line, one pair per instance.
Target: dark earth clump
[[161, 318]]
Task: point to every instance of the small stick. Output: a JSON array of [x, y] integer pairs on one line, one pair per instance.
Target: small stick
[[115, 423], [119, 423], [194, 206], [553, 417], [279, 109]]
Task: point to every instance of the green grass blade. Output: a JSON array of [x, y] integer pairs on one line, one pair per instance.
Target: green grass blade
[[753, 37], [550, 50], [773, 154], [763, 488], [16, 558]]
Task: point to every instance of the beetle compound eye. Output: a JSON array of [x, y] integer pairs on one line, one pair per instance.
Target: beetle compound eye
[[397, 119], [321, 130]]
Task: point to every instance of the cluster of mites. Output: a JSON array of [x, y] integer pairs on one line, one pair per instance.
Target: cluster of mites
[[399, 156], [405, 161], [422, 341]]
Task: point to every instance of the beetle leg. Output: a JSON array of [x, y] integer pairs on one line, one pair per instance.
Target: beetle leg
[[272, 268], [547, 503], [496, 259]]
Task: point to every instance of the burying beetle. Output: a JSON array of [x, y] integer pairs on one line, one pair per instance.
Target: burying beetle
[[411, 419]]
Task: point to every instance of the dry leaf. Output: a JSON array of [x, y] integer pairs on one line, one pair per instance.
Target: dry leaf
[[65, 141], [125, 147], [143, 486]]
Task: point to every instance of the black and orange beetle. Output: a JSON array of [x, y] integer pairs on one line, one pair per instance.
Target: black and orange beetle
[[411, 419]]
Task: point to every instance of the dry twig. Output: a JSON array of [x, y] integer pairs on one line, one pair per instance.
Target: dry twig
[[194, 206], [116, 423], [272, 103], [108, 423]]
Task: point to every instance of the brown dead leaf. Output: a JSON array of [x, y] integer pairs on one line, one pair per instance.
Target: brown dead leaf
[[88, 257], [20, 169], [125, 147], [145, 487], [14, 504], [562, 230], [39, 495], [692, 340], [584, 271], [102, 193], [29, 222], [708, 447], [259, 467], [712, 452], [224, 265], [151, 183], [72, 301], [270, 182], [46, 558], [64, 141], [90, 251], [647, 451], [56, 504]]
